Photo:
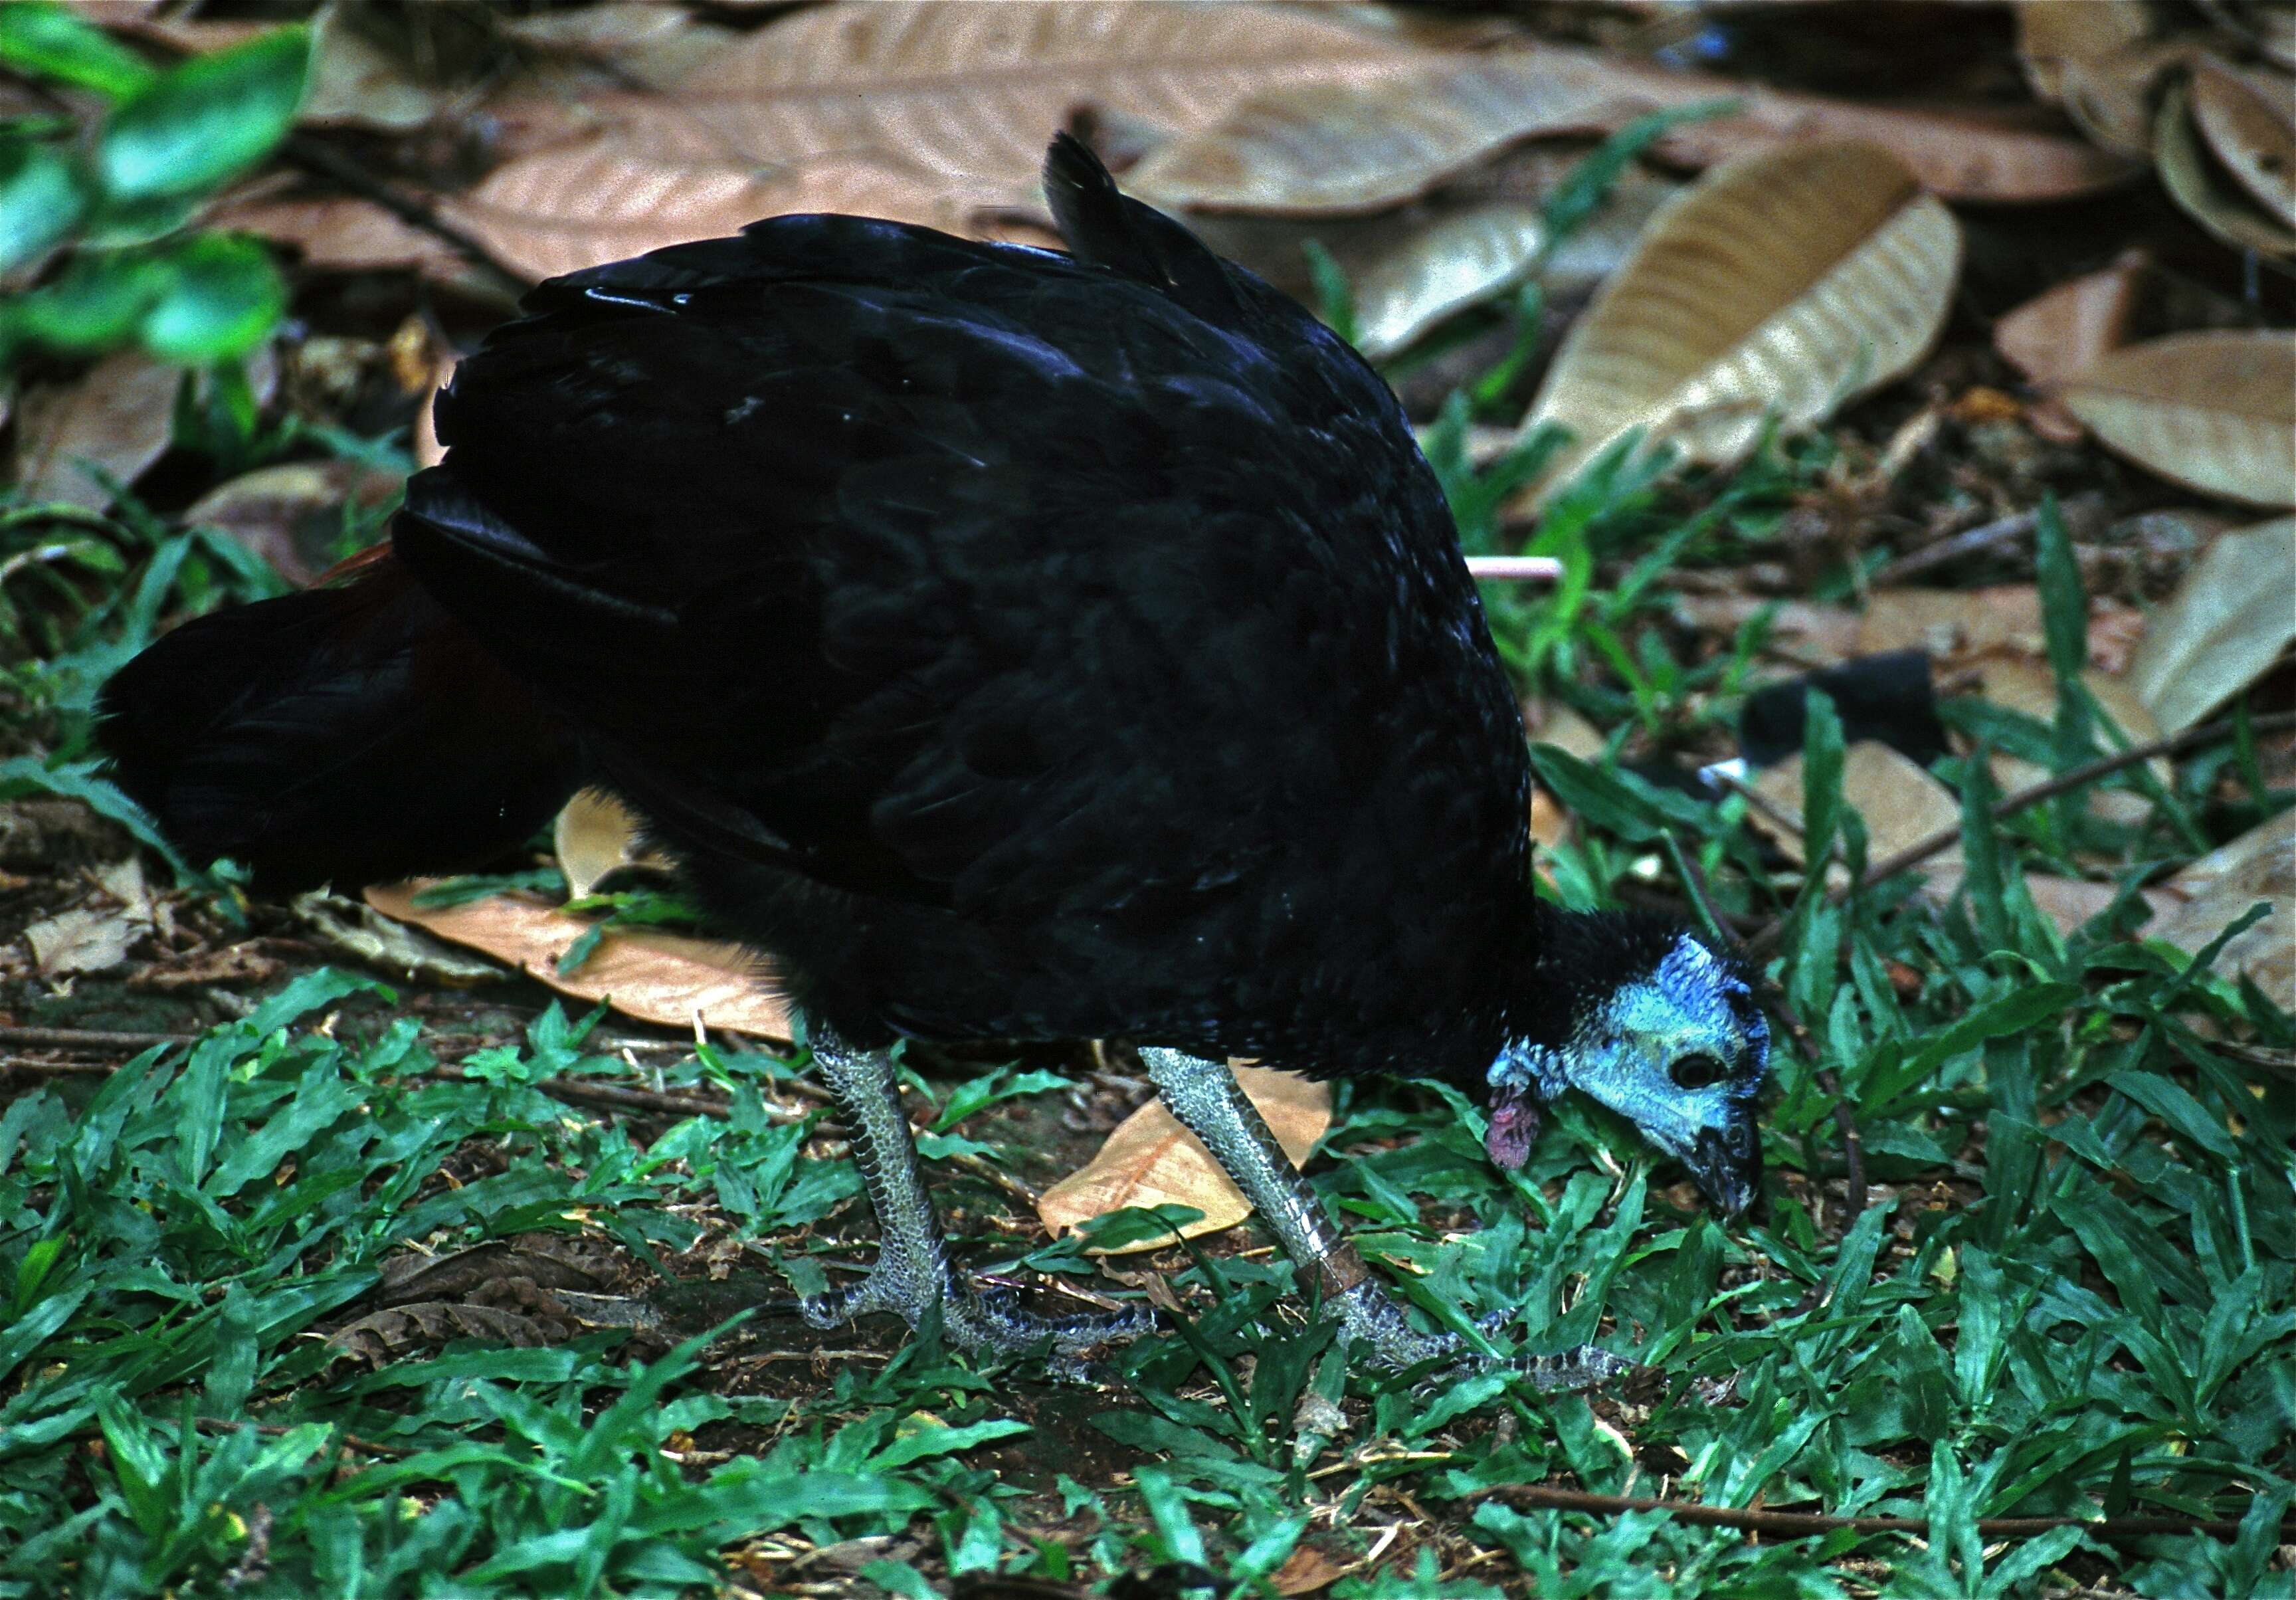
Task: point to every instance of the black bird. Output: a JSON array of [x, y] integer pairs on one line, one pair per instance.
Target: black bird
[[1014, 645]]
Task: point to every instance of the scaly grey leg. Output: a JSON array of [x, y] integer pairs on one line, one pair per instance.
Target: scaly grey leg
[[1204, 1096], [911, 1273]]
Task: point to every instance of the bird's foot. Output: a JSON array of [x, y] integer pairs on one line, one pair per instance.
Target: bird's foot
[[1374, 1322], [985, 1321]]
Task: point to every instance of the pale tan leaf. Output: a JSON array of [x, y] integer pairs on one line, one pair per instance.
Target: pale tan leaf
[[2097, 59], [117, 416], [596, 834], [1958, 153], [655, 44], [613, 196], [1378, 139], [2068, 903], [1451, 264], [2260, 864], [344, 233], [2055, 334], [354, 928], [1779, 285], [2215, 412], [1899, 802], [292, 516], [1958, 626], [971, 93], [96, 935], [664, 977], [2022, 683], [2198, 183], [2224, 626], [1152, 1161], [357, 82], [2249, 119]]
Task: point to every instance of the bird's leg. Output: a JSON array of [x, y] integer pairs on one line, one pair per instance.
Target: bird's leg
[[912, 1274], [1206, 1098]]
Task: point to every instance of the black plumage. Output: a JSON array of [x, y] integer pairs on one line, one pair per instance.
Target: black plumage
[[1013, 646]]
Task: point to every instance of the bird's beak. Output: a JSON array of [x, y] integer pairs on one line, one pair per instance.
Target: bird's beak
[[1727, 1165]]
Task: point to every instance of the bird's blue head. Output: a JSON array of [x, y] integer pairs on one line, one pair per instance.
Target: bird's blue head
[[1677, 1046]]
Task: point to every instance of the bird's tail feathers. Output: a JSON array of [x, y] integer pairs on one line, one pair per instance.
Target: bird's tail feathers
[[354, 733]]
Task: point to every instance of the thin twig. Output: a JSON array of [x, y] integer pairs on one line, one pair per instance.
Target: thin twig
[[1984, 537], [88, 1038], [1802, 1524], [1944, 839]]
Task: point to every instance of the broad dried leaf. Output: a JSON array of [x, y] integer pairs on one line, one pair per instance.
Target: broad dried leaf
[[1152, 1161], [117, 416], [596, 834], [364, 934], [1374, 141], [971, 93], [2215, 412], [95, 937], [2196, 181], [2249, 119], [343, 233], [654, 44], [2021, 683], [1900, 804], [608, 198], [664, 977], [357, 82], [2224, 626], [2260, 864], [1449, 265], [1958, 626], [2098, 60], [385, 1335], [292, 515], [1960, 155], [2054, 335], [1782, 284]]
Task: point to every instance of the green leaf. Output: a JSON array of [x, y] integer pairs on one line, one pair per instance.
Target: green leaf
[[99, 302], [42, 40], [201, 122], [224, 297], [39, 200]]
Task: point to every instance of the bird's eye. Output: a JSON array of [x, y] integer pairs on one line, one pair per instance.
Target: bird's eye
[[1695, 1071]]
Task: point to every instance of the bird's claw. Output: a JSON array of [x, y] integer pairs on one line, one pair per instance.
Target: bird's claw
[[985, 1322], [1375, 1323]]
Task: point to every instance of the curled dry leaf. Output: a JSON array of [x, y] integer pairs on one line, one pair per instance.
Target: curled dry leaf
[[117, 416], [664, 977], [2198, 182], [1779, 285], [292, 515], [1451, 264], [365, 935], [2215, 412], [1152, 1161], [1899, 803], [969, 93], [2260, 864], [2249, 119], [2054, 335], [596, 834], [1376, 140], [2224, 626], [2098, 60], [358, 82]]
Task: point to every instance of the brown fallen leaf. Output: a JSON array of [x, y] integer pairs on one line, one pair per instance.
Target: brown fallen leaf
[[2260, 864], [1780, 285], [1899, 803], [2249, 119], [1959, 626], [2215, 412], [117, 416], [2099, 59], [596, 834], [293, 515], [2208, 190], [1386, 136], [344, 233], [95, 937], [385, 1335], [1149, 1160], [656, 977], [357, 82], [2022, 683], [2056, 335], [2223, 628]]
